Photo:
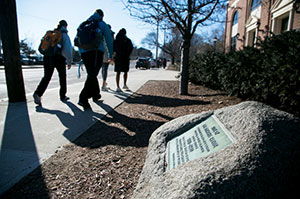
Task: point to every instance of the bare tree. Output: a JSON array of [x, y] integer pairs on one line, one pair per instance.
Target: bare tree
[[150, 40], [197, 44], [26, 47], [215, 39], [186, 15], [172, 46]]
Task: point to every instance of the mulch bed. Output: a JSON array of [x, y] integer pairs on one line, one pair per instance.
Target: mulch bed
[[107, 159]]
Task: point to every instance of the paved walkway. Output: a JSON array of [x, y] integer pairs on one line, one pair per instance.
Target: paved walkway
[[29, 135]]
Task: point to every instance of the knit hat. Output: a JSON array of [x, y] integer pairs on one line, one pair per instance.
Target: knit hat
[[122, 31], [100, 12], [62, 23]]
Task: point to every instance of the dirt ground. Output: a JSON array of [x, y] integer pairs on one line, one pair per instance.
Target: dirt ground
[[106, 160]]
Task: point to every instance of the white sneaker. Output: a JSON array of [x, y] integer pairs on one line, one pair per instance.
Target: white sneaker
[[126, 88], [37, 99], [104, 88]]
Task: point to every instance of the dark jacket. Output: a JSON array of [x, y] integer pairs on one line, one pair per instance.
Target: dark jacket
[[122, 46]]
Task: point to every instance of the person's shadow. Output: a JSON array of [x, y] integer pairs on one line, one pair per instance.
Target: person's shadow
[[75, 122], [116, 128]]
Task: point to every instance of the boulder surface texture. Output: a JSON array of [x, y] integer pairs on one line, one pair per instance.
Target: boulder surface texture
[[262, 162]]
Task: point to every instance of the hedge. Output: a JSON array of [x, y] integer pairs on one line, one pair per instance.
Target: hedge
[[269, 73]]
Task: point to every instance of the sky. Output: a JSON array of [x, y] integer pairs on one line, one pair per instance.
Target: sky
[[35, 17]]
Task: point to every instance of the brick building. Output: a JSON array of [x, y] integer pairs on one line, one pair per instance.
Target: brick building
[[248, 20]]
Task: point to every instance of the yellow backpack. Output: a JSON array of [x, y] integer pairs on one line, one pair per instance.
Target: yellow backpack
[[51, 43]]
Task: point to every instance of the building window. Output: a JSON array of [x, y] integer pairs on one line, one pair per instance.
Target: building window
[[284, 24], [251, 38], [282, 13], [281, 23], [233, 43], [235, 18], [234, 31], [255, 4]]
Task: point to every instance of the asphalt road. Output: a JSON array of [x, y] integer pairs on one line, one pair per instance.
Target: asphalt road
[[33, 74]]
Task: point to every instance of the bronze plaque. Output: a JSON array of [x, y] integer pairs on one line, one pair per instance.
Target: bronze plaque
[[203, 139]]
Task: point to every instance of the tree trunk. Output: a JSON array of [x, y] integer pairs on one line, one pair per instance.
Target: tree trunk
[[11, 51], [173, 59], [185, 56]]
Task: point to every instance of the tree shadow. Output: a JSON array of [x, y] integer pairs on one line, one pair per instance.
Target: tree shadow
[[162, 101], [19, 155], [163, 116], [104, 133], [210, 95], [140, 130]]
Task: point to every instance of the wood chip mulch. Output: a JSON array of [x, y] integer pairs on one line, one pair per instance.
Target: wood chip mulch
[[106, 160]]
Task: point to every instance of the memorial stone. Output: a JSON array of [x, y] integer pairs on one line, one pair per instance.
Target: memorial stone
[[205, 138], [249, 150]]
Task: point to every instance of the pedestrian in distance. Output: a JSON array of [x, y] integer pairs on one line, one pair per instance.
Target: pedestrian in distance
[[122, 48], [80, 67], [58, 61], [105, 65], [93, 58]]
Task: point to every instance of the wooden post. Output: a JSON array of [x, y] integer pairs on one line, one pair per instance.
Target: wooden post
[[11, 51]]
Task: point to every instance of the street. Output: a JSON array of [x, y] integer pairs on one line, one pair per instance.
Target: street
[[33, 74]]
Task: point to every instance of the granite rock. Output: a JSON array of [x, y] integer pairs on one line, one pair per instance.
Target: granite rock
[[263, 161]]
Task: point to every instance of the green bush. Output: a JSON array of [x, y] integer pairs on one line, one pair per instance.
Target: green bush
[[203, 69], [269, 73], [281, 60], [239, 72]]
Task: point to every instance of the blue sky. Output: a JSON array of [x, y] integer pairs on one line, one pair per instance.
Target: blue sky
[[37, 16]]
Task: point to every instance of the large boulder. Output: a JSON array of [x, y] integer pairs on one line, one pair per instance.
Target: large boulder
[[262, 162]]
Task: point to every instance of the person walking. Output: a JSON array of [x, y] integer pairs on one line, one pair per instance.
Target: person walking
[[105, 65], [122, 48], [92, 60], [59, 62]]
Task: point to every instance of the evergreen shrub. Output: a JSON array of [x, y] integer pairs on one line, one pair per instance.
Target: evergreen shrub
[[269, 73]]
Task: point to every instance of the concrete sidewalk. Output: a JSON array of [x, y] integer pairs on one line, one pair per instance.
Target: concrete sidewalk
[[30, 134]]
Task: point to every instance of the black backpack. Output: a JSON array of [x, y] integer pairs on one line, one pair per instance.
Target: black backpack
[[88, 35]]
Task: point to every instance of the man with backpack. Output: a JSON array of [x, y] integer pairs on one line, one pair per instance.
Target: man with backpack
[[57, 50], [89, 40]]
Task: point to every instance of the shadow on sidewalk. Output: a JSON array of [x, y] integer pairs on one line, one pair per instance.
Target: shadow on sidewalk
[[104, 132], [18, 148], [24, 141], [73, 122]]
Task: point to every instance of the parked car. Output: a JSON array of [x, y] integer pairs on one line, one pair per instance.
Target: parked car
[[25, 60], [36, 60], [152, 62], [142, 62]]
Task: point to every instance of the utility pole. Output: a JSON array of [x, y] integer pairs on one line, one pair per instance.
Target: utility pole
[[159, 18], [157, 32], [11, 51]]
